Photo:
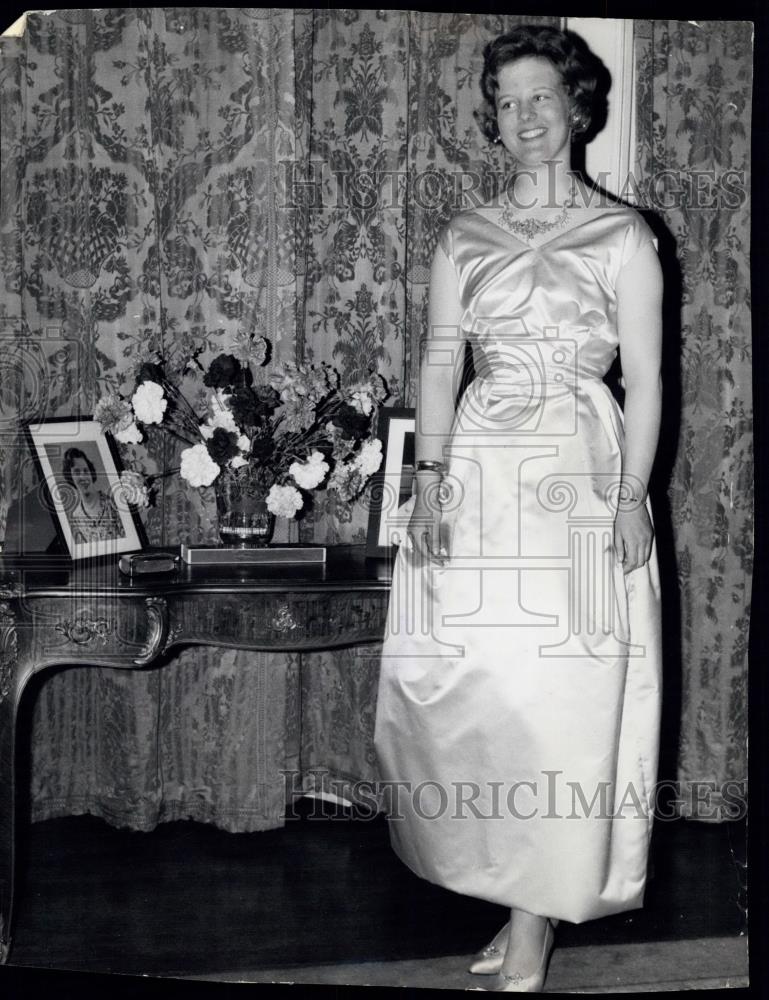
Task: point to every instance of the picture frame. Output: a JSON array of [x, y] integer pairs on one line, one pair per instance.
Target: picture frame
[[79, 469], [394, 484]]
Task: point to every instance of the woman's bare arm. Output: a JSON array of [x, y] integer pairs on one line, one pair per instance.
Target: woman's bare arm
[[443, 342], [435, 405], [639, 319]]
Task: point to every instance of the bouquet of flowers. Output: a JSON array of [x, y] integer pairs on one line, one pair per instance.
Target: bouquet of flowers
[[280, 435]]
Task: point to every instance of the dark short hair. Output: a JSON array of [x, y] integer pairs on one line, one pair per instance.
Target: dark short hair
[[585, 77], [71, 455]]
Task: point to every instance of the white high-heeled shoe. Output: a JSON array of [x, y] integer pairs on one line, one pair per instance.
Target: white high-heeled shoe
[[488, 961], [516, 983]]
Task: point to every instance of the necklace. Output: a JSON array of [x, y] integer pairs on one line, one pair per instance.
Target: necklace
[[528, 228], [97, 514]]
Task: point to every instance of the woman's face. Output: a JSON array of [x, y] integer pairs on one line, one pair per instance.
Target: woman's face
[[81, 475], [532, 110]]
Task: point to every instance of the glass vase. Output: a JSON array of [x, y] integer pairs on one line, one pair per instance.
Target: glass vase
[[243, 518]]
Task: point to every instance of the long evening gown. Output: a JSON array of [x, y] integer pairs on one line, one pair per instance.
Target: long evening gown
[[519, 692]]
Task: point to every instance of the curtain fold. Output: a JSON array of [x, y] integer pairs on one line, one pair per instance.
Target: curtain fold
[[152, 145], [14, 358], [173, 178], [693, 165]]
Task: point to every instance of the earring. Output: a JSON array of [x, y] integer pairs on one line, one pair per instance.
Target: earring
[[497, 140]]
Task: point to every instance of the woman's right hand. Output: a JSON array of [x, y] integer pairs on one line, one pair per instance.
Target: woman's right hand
[[424, 530]]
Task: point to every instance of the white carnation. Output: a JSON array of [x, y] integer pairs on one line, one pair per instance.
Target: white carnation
[[149, 403], [310, 473], [131, 435], [197, 466], [369, 458], [362, 401], [284, 501], [113, 413]]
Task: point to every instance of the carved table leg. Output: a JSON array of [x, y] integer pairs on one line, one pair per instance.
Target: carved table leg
[[10, 688], [7, 834]]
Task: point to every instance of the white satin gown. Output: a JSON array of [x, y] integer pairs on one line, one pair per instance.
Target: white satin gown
[[519, 692]]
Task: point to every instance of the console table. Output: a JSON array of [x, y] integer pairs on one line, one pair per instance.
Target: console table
[[54, 612]]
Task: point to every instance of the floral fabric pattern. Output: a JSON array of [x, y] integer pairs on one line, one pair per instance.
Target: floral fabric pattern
[[144, 209], [173, 179], [694, 121]]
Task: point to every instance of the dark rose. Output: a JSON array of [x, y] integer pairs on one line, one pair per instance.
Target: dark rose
[[253, 406], [222, 446], [353, 425], [223, 372], [245, 406], [268, 397], [262, 448], [150, 373]]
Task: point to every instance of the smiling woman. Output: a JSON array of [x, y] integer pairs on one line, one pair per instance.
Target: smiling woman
[[93, 504], [93, 515], [536, 581], [533, 110]]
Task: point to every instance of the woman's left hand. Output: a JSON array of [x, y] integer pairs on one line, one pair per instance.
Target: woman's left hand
[[633, 536]]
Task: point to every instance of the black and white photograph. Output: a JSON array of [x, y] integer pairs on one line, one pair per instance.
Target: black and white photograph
[[393, 491], [379, 559], [83, 488]]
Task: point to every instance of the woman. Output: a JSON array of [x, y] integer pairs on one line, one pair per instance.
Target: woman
[[519, 692], [94, 516]]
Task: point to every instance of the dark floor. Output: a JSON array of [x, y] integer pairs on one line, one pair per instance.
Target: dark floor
[[190, 899]]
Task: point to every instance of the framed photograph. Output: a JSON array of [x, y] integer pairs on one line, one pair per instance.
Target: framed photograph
[[79, 470], [394, 485]]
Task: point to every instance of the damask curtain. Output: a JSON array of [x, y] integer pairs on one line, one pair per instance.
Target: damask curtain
[[172, 176], [694, 104], [145, 209]]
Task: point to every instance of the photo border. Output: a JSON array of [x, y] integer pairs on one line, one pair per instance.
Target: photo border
[[82, 430], [394, 424]]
